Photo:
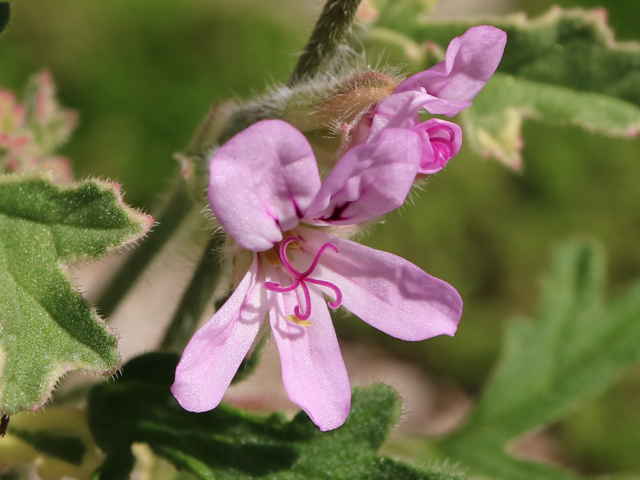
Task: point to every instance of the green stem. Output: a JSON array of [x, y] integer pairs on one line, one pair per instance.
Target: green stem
[[183, 199], [330, 30], [195, 299], [179, 204]]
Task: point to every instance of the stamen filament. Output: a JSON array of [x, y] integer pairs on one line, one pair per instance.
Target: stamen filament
[[284, 258], [316, 258], [307, 300], [338, 293], [302, 311]]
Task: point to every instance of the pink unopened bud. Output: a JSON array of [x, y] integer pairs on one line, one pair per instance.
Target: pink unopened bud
[[441, 141]]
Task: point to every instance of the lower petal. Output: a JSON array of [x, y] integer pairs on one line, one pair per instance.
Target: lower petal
[[313, 371], [389, 292], [213, 355]]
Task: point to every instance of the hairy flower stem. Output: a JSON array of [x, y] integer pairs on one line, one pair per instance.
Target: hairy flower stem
[[179, 203], [328, 34], [178, 206], [330, 30], [198, 294]]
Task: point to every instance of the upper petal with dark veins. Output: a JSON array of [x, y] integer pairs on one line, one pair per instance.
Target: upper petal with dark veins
[[261, 182]]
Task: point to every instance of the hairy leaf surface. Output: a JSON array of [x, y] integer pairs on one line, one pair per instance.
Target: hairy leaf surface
[[227, 443], [46, 328], [563, 68], [572, 352]]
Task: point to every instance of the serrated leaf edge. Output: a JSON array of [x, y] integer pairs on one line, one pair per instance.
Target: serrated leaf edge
[[143, 221], [485, 143]]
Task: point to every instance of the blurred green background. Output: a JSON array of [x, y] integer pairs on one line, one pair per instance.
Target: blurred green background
[[142, 74]]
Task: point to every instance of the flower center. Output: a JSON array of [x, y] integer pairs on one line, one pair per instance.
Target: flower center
[[301, 279]]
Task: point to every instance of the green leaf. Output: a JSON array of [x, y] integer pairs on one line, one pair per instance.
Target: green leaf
[[386, 46], [572, 352], [47, 328], [227, 443], [56, 441], [68, 448], [563, 68], [402, 16]]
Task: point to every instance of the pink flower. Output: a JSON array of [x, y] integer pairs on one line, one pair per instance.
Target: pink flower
[[266, 191], [445, 89]]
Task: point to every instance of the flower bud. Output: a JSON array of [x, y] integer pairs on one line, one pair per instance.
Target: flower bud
[[328, 117], [441, 141], [340, 103]]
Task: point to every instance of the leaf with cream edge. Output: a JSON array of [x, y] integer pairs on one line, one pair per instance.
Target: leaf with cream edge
[[574, 351], [46, 327], [563, 68]]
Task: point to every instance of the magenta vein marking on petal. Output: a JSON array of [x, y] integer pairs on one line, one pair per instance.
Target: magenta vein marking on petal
[[336, 214], [443, 144], [439, 128], [296, 207]]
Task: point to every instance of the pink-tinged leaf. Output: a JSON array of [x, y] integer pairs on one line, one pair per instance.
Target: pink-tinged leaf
[[51, 123]]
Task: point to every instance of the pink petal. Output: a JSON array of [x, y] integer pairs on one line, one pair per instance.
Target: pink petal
[[313, 371], [470, 61], [400, 110], [441, 141], [261, 182], [370, 180], [387, 291], [215, 352]]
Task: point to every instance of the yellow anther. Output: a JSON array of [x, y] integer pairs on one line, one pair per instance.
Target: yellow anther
[[298, 321]]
